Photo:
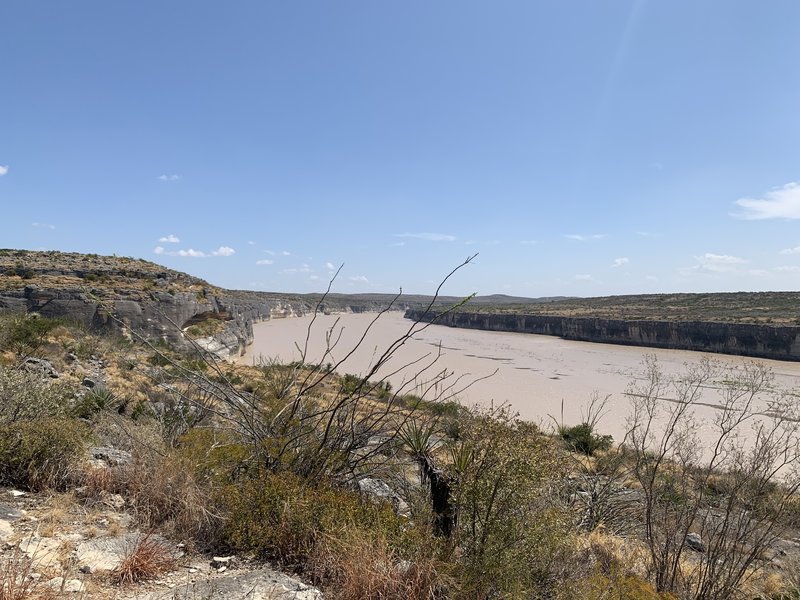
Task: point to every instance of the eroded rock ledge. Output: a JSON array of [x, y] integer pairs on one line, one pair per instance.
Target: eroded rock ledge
[[756, 340], [157, 315]]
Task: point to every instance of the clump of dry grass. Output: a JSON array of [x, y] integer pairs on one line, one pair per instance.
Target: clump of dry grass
[[16, 582], [363, 569], [146, 559], [164, 493]]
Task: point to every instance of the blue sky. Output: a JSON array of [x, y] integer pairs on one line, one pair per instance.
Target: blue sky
[[580, 147]]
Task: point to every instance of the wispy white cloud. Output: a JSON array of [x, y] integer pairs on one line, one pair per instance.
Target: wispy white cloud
[[529, 242], [43, 225], [170, 239], [431, 237], [397, 244], [795, 250], [192, 253], [3, 170], [285, 253], [778, 203], [718, 263], [358, 279], [583, 277], [788, 269], [330, 266], [172, 177], [265, 261], [584, 238], [251, 243], [224, 251], [304, 268], [618, 262], [648, 234]]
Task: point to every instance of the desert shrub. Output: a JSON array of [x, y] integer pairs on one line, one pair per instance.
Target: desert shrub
[[350, 383], [16, 581], [205, 328], [40, 454], [213, 455], [26, 334], [98, 399], [603, 587], [282, 517], [359, 568], [582, 438], [146, 559], [25, 395], [508, 538], [735, 495], [159, 360], [164, 493]]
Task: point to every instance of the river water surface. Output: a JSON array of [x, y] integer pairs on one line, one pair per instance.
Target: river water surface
[[539, 376]]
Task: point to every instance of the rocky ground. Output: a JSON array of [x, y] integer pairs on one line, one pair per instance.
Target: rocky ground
[[60, 547]]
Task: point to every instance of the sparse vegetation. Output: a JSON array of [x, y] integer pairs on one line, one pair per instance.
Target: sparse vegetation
[[582, 438], [41, 453], [146, 559]]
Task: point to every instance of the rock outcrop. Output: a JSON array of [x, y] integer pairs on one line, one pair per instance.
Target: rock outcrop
[[156, 315], [756, 340]]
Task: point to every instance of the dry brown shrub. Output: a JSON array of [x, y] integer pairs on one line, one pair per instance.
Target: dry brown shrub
[[96, 480], [146, 559], [16, 582], [364, 569], [164, 493], [613, 555]]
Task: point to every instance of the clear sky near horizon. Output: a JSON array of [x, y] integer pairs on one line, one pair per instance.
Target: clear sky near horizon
[[580, 147]]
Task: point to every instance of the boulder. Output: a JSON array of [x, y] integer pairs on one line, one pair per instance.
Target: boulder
[[380, 490], [40, 365], [695, 542], [260, 584], [112, 457]]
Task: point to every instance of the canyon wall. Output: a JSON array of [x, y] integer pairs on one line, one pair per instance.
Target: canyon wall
[[762, 341]]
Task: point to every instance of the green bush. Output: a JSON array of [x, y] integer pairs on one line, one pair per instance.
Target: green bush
[[25, 396], [26, 334], [98, 399], [509, 541], [350, 383], [40, 454], [284, 518], [582, 438]]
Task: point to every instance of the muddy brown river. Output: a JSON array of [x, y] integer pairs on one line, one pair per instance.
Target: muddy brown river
[[539, 376]]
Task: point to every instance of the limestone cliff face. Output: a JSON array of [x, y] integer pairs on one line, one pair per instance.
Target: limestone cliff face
[[126, 294], [763, 341], [164, 315], [157, 315]]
